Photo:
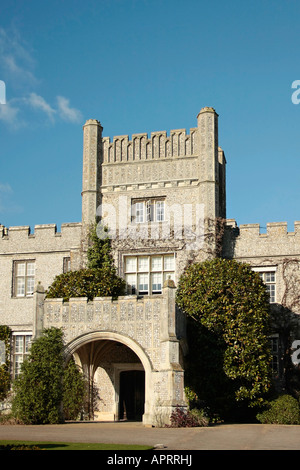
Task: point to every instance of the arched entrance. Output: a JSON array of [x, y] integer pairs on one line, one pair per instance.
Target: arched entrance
[[117, 370]]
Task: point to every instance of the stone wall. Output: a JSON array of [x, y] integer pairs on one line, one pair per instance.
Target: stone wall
[[152, 328], [186, 170], [47, 248], [275, 248]]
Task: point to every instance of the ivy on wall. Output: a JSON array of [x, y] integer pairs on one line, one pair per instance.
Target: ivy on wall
[[99, 279], [5, 335]]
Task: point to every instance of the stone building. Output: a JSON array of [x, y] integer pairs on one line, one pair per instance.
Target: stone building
[[161, 197]]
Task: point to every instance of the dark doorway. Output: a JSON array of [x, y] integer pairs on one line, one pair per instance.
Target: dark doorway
[[132, 395]]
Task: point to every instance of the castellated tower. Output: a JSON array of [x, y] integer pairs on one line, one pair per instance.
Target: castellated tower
[[157, 194], [91, 175], [211, 165]]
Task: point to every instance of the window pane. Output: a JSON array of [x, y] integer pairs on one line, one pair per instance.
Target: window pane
[[19, 344], [271, 291], [160, 211], [30, 285], [139, 212], [143, 282], [143, 263], [150, 211], [30, 269], [156, 263], [156, 282], [270, 277], [169, 263], [130, 264], [20, 269], [20, 286], [131, 283], [27, 343]]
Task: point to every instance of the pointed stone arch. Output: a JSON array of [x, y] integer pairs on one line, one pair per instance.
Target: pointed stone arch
[[87, 350]]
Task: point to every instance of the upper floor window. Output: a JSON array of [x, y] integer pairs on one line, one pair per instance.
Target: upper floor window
[[148, 210], [66, 264], [24, 272], [268, 276], [145, 274]]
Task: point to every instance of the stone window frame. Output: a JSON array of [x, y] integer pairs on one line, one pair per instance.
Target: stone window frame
[[268, 276], [66, 264], [148, 272], [27, 276], [152, 209], [21, 342]]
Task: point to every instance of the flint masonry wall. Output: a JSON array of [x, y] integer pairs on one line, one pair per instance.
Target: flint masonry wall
[[150, 327], [187, 170], [276, 248], [47, 248]]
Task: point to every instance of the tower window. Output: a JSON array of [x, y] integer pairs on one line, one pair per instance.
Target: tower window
[[147, 210]]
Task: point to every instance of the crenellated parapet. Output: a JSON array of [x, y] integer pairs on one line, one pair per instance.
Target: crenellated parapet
[[249, 241], [180, 167], [158, 146], [20, 239]]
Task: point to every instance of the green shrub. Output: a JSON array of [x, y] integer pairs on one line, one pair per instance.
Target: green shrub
[[282, 410], [90, 283], [38, 390], [5, 333], [230, 308], [99, 279], [74, 387]]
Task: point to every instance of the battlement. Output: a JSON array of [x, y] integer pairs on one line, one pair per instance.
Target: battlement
[[158, 146], [249, 241], [45, 237], [274, 229], [41, 230]]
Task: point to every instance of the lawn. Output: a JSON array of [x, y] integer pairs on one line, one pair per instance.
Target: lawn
[[30, 445]]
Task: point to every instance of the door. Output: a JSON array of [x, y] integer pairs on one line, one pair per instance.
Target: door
[[132, 395]]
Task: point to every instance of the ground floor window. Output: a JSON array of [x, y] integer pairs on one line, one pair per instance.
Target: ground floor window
[[21, 345], [145, 274]]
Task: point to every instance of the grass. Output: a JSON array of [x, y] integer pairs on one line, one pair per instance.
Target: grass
[[33, 445]]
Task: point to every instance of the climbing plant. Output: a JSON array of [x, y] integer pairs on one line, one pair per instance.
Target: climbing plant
[[5, 335], [99, 279]]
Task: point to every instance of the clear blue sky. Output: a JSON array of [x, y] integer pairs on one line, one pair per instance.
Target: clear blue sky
[[144, 66]]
